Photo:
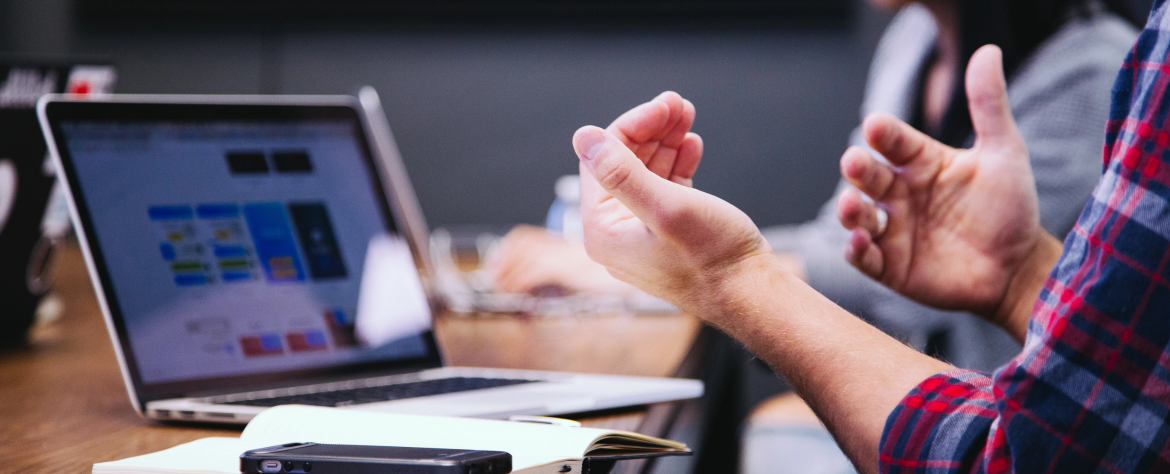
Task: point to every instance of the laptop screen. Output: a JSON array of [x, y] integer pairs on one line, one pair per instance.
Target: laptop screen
[[236, 247]]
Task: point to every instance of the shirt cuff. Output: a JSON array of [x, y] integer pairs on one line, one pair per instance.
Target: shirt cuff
[[944, 424]]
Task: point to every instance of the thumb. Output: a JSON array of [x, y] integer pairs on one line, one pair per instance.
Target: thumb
[[620, 173], [991, 113]]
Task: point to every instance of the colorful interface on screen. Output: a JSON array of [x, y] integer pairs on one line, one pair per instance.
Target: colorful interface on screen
[[239, 248]]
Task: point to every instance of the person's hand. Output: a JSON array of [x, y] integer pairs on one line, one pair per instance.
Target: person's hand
[[529, 260], [651, 147], [963, 227], [659, 234]]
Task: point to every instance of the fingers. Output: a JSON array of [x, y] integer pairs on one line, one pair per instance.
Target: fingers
[[900, 143], [656, 131], [864, 254], [620, 174], [991, 112], [855, 212], [867, 174], [689, 155], [528, 259], [666, 118], [867, 223], [666, 153], [528, 276], [516, 276], [682, 118], [510, 254], [991, 116], [643, 123]]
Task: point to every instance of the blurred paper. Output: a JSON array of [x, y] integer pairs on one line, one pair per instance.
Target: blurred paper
[[392, 304]]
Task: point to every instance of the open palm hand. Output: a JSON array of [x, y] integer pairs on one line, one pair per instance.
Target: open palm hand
[[960, 222]]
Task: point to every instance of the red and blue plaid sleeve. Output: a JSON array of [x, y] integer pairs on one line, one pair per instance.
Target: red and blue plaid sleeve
[[1090, 392]]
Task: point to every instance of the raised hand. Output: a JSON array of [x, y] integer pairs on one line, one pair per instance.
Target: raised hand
[[531, 261], [962, 225], [660, 235]]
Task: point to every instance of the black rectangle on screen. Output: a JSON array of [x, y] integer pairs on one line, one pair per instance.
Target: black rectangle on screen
[[292, 162], [247, 162]]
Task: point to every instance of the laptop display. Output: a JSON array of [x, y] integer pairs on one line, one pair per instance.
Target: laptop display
[[235, 242]]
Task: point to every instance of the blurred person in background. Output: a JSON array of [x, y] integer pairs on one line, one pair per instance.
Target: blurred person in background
[[1060, 57]]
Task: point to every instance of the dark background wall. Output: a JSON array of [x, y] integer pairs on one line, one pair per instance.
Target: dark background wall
[[483, 110]]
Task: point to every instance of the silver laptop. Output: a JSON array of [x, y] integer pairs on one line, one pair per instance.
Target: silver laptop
[[249, 252]]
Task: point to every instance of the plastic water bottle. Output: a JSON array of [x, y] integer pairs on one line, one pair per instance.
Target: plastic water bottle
[[564, 217]]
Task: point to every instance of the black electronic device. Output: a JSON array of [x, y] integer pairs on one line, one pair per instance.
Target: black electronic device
[[313, 458], [33, 214]]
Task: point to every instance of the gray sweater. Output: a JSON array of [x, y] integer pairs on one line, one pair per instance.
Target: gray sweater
[[1060, 98]]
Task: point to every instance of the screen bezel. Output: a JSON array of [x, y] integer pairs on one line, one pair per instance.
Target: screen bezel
[[204, 108]]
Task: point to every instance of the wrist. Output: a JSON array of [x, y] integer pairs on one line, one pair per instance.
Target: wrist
[[1015, 311], [793, 263], [737, 289]]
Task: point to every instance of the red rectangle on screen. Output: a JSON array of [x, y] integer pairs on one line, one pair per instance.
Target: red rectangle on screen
[[262, 345], [306, 341]]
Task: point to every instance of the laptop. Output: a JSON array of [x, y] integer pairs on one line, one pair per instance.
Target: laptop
[[254, 251]]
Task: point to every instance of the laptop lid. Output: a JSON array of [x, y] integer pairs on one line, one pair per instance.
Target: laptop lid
[[238, 243]]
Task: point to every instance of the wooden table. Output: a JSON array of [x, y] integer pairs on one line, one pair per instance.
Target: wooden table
[[63, 405]]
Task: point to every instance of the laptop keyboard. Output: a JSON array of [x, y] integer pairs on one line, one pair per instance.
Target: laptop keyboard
[[382, 393]]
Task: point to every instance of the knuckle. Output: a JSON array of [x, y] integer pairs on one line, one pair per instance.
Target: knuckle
[[848, 210], [613, 173], [873, 175], [893, 139], [916, 149], [989, 99]]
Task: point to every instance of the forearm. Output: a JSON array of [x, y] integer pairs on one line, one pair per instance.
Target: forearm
[[1015, 311], [815, 251], [850, 373]]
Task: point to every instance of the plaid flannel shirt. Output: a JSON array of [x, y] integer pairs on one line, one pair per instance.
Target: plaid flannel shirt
[[1090, 392]]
